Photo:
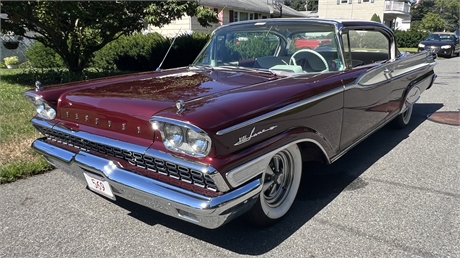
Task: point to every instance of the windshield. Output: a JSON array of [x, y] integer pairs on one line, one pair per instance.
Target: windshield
[[278, 45], [440, 37]]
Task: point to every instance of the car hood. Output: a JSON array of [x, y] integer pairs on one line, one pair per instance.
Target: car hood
[[436, 43], [130, 104]]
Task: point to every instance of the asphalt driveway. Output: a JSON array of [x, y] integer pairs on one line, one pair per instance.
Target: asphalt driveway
[[397, 194]]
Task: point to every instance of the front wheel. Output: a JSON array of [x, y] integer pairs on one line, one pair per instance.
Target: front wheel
[[403, 119], [281, 181]]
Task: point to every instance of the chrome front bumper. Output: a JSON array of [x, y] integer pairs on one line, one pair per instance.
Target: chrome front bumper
[[208, 212]]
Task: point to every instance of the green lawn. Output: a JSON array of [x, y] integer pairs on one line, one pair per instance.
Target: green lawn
[[16, 133], [408, 49], [17, 159]]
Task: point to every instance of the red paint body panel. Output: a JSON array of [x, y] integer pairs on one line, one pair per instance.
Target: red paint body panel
[[205, 143]]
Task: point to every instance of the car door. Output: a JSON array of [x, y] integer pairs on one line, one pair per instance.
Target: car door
[[457, 44], [371, 91]]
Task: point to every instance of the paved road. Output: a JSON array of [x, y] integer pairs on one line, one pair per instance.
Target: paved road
[[397, 194]]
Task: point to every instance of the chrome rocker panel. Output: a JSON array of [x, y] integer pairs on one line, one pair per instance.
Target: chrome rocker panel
[[208, 212]]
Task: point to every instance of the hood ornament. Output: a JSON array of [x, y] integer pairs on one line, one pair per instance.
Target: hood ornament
[[38, 84], [180, 105]]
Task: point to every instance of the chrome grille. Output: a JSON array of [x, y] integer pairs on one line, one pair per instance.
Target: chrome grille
[[140, 160]]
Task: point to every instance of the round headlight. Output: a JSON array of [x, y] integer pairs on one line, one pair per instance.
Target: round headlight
[[44, 110], [48, 112], [198, 143], [173, 135]]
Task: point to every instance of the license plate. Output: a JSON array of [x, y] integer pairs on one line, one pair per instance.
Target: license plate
[[99, 185]]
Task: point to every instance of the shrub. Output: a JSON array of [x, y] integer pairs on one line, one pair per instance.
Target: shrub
[[376, 18], [186, 48], [374, 40], [131, 53], [11, 60], [140, 52], [410, 38], [41, 56]]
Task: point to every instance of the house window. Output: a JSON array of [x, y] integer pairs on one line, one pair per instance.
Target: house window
[[243, 16], [344, 1], [236, 15]]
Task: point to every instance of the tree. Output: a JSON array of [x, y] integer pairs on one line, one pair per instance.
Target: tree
[[77, 29], [432, 22], [376, 18], [448, 10]]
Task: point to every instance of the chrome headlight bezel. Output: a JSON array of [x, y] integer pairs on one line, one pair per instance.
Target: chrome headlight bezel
[[182, 137], [446, 47], [43, 109], [421, 45]]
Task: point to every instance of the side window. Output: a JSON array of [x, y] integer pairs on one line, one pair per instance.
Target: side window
[[365, 47]]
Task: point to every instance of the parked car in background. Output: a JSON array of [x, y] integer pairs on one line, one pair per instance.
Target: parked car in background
[[441, 43], [230, 134]]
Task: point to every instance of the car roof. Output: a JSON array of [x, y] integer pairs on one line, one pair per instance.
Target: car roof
[[447, 33]]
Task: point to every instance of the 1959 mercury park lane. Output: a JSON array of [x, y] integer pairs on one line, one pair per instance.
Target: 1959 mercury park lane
[[229, 134]]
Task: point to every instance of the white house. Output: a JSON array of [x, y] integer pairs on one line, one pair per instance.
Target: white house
[[395, 13], [228, 11]]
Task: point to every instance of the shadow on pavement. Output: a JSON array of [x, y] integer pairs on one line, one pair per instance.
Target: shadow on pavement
[[320, 186]]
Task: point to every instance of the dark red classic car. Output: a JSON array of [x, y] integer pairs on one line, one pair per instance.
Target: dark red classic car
[[229, 134]]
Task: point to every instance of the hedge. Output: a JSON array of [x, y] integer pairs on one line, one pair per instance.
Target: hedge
[[410, 38], [135, 52], [145, 52]]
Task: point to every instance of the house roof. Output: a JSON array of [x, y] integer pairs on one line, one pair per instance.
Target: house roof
[[262, 6]]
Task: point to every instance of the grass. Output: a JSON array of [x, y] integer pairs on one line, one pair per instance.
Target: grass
[[16, 132], [17, 159], [408, 49]]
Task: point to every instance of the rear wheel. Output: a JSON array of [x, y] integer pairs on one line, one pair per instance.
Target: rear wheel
[[281, 181], [403, 119]]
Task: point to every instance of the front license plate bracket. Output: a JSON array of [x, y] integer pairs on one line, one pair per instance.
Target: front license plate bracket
[[99, 185]]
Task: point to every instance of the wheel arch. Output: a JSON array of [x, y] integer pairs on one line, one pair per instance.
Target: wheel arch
[[312, 147]]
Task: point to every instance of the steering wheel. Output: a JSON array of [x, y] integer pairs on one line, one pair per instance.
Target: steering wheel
[[293, 62]]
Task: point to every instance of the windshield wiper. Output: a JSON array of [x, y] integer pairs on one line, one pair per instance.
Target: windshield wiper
[[200, 67], [245, 69]]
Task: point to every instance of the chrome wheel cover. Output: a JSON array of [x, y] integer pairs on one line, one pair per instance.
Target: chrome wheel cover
[[278, 179], [407, 115]]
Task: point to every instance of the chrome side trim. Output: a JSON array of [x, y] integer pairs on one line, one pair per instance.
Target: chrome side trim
[[44, 123], [208, 212], [281, 110], [399, 72], [253, 168], [204, 168]]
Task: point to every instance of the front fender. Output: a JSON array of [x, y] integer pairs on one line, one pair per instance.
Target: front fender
[[253, 161]]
